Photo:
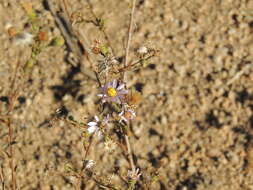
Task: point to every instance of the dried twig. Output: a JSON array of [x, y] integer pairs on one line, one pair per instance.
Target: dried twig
[[12, 99], [129, 153], [11, 161], [129, 36], [103, 185], [129, 66]]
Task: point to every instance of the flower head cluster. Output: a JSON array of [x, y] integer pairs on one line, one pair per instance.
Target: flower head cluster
[[113, 92], [127, 114], [94, 126], [109, 144]]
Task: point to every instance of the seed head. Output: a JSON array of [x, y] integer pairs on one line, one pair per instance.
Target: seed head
[[134, 98]]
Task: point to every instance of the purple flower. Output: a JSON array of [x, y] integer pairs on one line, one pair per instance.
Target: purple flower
[[113, 92]]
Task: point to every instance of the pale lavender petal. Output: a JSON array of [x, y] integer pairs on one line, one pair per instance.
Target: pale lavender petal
[[120, 87], [96, 118], [92, 129], [109, 84], [99, 133], [123, 92], [92, 123], [122, 118], [106, 119], [103, 89], [132, 112], [121, 113], [114, 83]]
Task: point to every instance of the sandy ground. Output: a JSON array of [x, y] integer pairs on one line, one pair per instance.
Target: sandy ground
[[196, 116]]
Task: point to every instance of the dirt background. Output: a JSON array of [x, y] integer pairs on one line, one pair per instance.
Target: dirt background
[[196, 115]]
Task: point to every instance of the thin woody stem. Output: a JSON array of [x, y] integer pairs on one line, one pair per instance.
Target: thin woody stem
[[129, 37], [129, 153], [135, 63], [88, 148], [12, 98], [11, 162]]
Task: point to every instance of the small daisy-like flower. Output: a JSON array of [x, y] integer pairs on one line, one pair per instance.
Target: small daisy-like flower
[[113, 92], [109, 145], [93, 126], [126, 115], [134, 175]]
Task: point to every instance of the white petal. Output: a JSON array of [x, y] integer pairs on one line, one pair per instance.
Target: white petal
[[96, 118], [92, 123], [99, 133], [90, 163], [114, 83], [106, 119], [121, 86], [132, 112], [123, 92], [92, 129], [121, 113], [122, 118]]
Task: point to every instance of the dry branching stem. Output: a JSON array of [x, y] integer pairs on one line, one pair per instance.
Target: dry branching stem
[[11, 161], [129, 36], [12, 98], [129, 153]]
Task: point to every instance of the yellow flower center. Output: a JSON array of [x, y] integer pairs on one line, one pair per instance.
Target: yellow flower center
[[111, 92]]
